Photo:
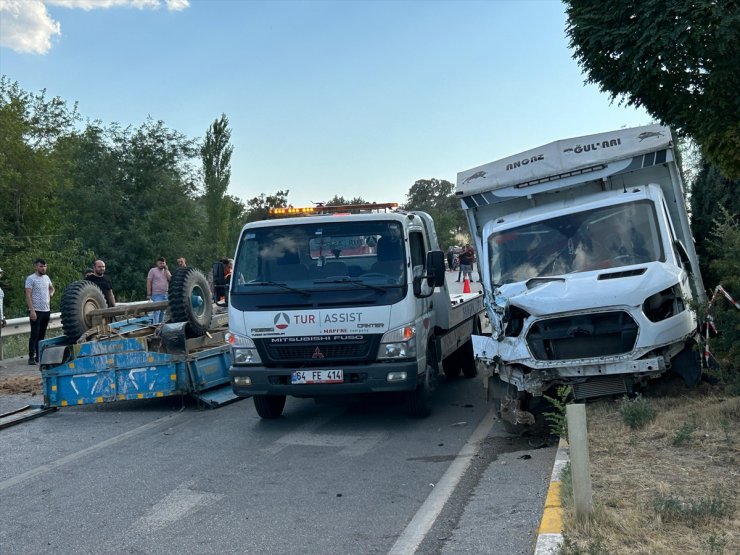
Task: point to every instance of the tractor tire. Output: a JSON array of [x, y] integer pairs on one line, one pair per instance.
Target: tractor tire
[[79, 298], [269, 406], [190, 301]]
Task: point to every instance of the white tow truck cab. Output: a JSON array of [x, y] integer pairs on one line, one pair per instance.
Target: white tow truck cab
[[345, 300], [588, 267]]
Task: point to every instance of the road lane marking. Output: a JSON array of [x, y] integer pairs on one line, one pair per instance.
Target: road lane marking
[[43, 469], [179, 503], [414, 533], [306, 436]]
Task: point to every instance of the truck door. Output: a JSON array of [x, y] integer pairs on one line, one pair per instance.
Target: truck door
[[424, 320]]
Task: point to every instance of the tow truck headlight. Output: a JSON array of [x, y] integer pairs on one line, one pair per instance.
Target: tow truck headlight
[[398, 343], [243, 350]]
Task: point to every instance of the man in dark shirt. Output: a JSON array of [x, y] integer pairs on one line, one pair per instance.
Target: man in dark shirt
[[101, 280]]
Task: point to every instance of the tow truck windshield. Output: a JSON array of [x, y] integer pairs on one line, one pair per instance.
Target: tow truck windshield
[[348, 261]]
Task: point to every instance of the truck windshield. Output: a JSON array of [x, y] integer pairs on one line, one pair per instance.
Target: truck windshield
[[323, 262], [606, 237]]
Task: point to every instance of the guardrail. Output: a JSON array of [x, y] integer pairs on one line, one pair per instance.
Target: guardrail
[[19, 326]]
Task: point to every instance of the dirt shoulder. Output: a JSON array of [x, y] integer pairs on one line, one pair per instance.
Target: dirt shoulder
[[668, 486], [17, 376]]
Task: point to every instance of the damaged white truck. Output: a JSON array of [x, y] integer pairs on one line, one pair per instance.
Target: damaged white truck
[[588, 267]]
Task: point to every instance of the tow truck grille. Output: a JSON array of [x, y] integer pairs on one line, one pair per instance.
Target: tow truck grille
[[318, 353], [582, 336]]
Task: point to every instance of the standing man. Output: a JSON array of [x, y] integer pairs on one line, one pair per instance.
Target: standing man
[[39, 291], [181, 262], [450, 259], [157, 285], [466, 263], [99, 278], [2, 297]]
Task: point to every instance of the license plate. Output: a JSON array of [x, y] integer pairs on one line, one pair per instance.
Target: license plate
[[317, 376]]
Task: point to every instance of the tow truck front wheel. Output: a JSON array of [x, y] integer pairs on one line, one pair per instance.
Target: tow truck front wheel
[[419, 399], [269, 406]]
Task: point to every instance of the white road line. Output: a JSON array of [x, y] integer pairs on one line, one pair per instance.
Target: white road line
[[410, 539], [306, 435], [10, 482], [180, 502]]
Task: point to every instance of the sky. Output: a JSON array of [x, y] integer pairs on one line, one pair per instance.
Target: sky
[[344, 97]]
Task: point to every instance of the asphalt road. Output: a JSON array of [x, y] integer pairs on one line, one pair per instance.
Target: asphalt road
[[161, 476]]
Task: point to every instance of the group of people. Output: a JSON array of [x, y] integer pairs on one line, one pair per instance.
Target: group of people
[[465, 260], [39, 289]]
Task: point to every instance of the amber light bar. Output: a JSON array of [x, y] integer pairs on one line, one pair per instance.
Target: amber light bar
[[343, 208]]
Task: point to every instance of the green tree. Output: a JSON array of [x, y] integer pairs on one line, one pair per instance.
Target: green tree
[[341, 201], [216, 156], [677, 59], [258, 207], [130, 196], [710, 192], [30, 127], [437, 197]]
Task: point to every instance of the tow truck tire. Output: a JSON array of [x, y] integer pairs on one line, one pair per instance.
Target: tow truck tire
[[269, 406], [451, 366], [467, 355], [419, 399], [190, 301], [79, 298]]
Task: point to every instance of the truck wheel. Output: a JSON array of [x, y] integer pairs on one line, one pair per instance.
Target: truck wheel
[[79, 298], [269, 406], [419, 398], [451, 366], [190, 301], [467, 355], [687, 364]]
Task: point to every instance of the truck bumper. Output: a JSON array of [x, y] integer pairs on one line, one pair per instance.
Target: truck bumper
[[370, 378]]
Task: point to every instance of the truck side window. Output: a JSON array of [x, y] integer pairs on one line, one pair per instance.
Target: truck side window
[[416, 243]]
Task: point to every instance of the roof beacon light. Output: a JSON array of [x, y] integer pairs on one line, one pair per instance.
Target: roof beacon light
[[341, 209]]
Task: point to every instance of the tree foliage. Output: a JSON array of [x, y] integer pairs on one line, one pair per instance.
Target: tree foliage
[[710, 193], [437, 197], [216, 156], [338, 200], [72, 193], [258, 207], [676, 59]]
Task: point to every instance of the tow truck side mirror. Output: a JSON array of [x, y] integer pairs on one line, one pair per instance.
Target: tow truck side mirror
[[435, 275]]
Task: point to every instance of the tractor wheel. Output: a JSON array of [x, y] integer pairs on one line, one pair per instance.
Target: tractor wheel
[[78, 299], [190, 301], [269, 406]]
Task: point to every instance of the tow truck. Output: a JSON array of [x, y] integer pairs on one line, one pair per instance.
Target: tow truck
[[351, 299]]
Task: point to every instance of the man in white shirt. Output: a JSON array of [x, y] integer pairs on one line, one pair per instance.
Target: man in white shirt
[[39, 291]]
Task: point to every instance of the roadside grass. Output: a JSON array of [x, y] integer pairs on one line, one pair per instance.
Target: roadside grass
[[17, 345], [669, 485]]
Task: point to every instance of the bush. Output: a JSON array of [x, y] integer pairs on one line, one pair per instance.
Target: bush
[[637, 412]]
